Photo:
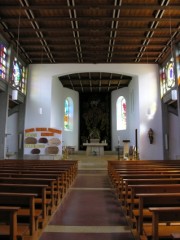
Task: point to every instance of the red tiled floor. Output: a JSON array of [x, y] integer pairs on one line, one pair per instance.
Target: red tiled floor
[[90, 202], [87, 236], [92, 181], [89, 208]]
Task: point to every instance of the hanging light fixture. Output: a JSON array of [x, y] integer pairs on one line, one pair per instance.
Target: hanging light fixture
[[18, 33]]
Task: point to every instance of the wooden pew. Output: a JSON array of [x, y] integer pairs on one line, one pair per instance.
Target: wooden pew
[[147, 200], [63, 181], [9, 225], [121, 185], [121, 174], [162, 215], [71, 166], [60, 187], [114, 167], [126, 193], [62, 174], [22, 200], [50, 201], [156, 188], [59, 174], [40, 190]]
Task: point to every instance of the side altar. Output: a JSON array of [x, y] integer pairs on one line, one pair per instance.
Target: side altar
[[95, 148]]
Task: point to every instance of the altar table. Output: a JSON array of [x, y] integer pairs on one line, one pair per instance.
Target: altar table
[[95, 148]]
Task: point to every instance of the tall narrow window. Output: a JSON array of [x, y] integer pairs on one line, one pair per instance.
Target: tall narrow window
[[68, 114], [19, 76], [167, 77], [3, 61], [121, 113]]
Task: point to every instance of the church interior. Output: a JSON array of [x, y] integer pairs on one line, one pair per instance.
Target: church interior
[[89, 119]]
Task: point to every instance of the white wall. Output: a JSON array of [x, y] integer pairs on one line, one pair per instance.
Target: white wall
[[71, 138], [59, 94], [123, 134], [133, 111], [174, 136], [40, 95], [150, 114], [57, 104], [12, 131], [131, 94]]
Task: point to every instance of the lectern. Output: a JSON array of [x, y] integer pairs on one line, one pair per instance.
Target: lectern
[[126, 149]]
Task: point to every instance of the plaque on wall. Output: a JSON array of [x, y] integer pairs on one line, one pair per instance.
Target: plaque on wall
[[42, 141]]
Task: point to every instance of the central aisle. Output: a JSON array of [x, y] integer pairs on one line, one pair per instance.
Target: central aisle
[[90, 211]]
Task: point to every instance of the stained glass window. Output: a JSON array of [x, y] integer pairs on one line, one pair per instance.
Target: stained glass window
[[178, 63], [3, 61], [68, 114], [19, 76], [121, 113], [167, 77]]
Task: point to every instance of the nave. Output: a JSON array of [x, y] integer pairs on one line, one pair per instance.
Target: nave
[[90, 210]]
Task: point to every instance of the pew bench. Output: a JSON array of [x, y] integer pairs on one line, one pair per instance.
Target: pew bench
[[50, 201], [151, 175], [126, 192], [9, 225], [33, 207], [164, 215], [63, 178], [40, 200], [148, 200], [60, 187], [156, 188], [27, 209], [58, 190]]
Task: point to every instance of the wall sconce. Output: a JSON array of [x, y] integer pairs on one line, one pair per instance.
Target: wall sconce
[[40, 111], [14, 94], [174, 94], [151, 135]]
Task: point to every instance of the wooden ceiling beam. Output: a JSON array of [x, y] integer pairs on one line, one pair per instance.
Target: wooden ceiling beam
[[91, 6], [60, 40], [87, 46], [62, 51], [90, 29], [92, 18]]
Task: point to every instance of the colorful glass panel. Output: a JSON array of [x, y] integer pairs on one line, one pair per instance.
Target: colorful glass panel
[[3, 61], [68, 114], [167, 77], [19, 76], [121, 113]]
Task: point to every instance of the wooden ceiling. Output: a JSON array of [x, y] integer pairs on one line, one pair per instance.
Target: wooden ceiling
[[95, 81], [91, 31]]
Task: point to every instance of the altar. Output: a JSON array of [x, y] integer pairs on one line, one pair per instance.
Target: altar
[[94, 148]]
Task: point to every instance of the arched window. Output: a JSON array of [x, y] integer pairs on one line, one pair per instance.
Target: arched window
[[68, 114], [121, 113]]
